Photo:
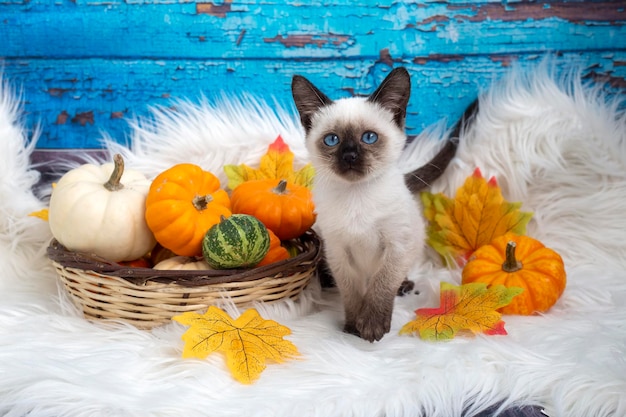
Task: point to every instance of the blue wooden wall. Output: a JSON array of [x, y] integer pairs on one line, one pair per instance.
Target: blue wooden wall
[[86, 66]]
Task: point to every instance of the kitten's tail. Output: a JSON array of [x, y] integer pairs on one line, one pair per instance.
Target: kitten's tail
[[423, 176]]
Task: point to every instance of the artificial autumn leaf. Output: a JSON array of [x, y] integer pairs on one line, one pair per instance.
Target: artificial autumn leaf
[[478, 214], [277, 163], [41, 214], [469, 307], [247, 341]]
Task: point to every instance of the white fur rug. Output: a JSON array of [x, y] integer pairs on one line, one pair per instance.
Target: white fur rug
[[553, 144]]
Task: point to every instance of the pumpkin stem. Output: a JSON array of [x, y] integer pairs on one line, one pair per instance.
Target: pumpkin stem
[[200, 202], [510, 263], [114, 184], [281, 188]]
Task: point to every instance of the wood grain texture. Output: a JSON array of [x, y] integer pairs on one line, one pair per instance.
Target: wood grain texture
[[85, 67]]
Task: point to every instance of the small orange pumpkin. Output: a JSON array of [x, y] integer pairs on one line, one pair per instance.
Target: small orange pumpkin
[[183, 202], [143, 262], [285, 208], [276, 252], [519, 261]]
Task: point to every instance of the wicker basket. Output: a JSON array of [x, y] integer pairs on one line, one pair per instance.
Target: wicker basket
[[147, 298]]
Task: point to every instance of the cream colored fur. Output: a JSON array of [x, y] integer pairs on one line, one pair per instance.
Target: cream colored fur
[[372, 229]]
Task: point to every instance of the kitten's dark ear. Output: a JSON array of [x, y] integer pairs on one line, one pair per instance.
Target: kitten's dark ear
[[308, 99], [393, 94]]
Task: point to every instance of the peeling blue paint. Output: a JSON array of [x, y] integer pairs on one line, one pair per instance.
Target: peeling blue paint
[[87, 66]]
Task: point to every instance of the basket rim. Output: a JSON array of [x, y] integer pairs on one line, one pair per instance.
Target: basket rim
[[310, 245]]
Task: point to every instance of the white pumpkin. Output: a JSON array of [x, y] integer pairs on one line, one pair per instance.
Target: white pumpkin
[[100, 209], [185, 263]]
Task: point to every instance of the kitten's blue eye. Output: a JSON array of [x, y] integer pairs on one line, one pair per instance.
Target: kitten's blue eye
[[369, 138], [331, 140]]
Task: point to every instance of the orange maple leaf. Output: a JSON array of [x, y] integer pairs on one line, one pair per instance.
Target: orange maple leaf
[[247, 341], [470, 307], [276, 164], [478, 214]]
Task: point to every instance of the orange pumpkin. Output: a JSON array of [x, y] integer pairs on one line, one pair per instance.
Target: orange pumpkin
[[519, 261], [182, 204], [137, 263], [285, 208], [276, 252]]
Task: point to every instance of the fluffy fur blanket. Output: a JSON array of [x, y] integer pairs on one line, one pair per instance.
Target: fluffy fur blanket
[[553, 143]]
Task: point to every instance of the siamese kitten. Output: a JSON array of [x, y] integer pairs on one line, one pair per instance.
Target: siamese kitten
[[367, 216]]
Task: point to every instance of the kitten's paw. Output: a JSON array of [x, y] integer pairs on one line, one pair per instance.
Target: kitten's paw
[[350, 328], [406, 287], [372, 327]]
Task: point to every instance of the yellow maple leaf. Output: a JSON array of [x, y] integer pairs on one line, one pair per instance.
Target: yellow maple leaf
[[469, 307], [478, 214], [277, 163], [41, 214], [247, 341]]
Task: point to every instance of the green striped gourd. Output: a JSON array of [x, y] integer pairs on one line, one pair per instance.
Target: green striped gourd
[[240, 241]]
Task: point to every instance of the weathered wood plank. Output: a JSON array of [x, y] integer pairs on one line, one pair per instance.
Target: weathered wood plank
[[75, 100], [233, 30]]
